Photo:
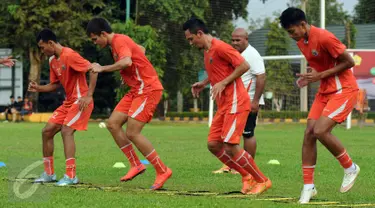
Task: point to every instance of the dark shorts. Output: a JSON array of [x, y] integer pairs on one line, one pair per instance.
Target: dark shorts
[[250, 125]]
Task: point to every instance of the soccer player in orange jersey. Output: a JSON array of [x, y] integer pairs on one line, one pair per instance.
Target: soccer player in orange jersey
[[67, 68], [224, 66], [137, 107], [330, 64]]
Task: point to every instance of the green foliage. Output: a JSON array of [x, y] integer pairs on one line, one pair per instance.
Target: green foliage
[[352, 31], [183, 62], [283, 114], [279, 74], [66, 18], [335, 14], [188, 114], [364, 12]]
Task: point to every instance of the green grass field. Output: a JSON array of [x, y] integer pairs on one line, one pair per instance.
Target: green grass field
[[183, 148]]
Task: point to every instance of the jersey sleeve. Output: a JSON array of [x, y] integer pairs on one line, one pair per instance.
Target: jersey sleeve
[[52, 76], [122, 49], [78, 63], [230, 55], [333, 45]]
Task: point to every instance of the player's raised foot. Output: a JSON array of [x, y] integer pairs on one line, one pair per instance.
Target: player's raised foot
[[248, 183], [224, 169], [349, 179], [307, 194], [45, 178], [161, 179], [259, 188], [134, 172], [66, 181]]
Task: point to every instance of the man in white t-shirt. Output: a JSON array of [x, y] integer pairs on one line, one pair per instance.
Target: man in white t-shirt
[[254, 81]]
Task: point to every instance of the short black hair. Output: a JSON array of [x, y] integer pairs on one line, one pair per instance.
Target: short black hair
[[292, 16], [11, 97], [98, 25], [46, 35], [19, 97], [195, 24]]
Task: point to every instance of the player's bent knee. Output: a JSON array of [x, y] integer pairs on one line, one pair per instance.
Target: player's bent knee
[[319, 132], [67, 131], [229, 149], [309, 132], [131, 134], [48, 132], [112, 125], [214, 147]]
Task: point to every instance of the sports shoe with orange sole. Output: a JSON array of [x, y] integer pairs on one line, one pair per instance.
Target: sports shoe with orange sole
[[248, 183], [259, 188], [161, 179], [134, 172]]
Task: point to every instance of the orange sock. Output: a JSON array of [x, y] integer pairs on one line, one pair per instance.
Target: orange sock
[[70, 167], [48, 165], [131, 155], [308, 174], [224, 158], [245, 160], [154, 159], [345, 160]]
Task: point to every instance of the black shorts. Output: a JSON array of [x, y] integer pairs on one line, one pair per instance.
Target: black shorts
[[250, 125]]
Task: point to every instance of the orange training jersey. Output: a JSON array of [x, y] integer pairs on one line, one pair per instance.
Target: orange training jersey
[[321, 51], [141, 75], [220, 61], [70, 70]]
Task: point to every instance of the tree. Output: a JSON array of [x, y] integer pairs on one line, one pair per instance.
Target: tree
[[364, 12], [167, 17], [28, 17], [350, 34], [335, 14], [280, 78]]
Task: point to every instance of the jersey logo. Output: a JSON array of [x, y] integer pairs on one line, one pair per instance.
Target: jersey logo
[[210, 60], [54, 115], [314, 52], [58, 70], [63, 67], [115, 56]]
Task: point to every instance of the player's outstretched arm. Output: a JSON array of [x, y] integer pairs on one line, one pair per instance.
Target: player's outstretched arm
[[8, 61], [34, 87], [121, 64], [197, 87]]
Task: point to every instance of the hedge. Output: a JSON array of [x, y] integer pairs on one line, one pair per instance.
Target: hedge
[[265, 114], [262, 114]]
